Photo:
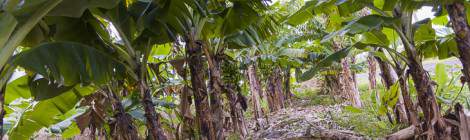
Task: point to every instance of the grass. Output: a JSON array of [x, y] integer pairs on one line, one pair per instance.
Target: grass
[[363, 121], [366, 120], [315, 98]]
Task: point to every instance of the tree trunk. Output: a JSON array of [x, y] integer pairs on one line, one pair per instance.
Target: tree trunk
[[287, 92], [389, 79], [409, 105], [123, 127], [353, 73], [153, 121], [256, 92], [332, 85], [372, 79], [347, 79], [349, 86], [185, 111], [215, 91], [196, 68], [236, 110], [427, 101], [458, 18], [434, 125], [275, 94]]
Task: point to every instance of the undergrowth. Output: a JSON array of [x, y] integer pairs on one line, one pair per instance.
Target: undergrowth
[[314, 98], [366, 120]]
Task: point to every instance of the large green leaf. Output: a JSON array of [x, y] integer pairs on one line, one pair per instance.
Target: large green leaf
[[447, 48], [20, 33], [424, 33], [325, 62], [42, 89], [232, 22], [375, 37], [70, 63], [361, 25], [18, 88], [389, 5], [349, 7], [302, 15], [441, 75], [33, 119], [314, 7], [7, 25], [390, 98], [75, 8]]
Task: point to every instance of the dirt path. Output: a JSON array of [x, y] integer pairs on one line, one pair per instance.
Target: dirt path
[[301, 122]]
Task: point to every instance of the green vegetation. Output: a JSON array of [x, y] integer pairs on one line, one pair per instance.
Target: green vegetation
[[230, 69]]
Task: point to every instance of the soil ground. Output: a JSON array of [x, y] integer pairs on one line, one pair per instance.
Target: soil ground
[[300, 121]]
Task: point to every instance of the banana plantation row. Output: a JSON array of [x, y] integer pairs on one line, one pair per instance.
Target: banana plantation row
[[183, 69]]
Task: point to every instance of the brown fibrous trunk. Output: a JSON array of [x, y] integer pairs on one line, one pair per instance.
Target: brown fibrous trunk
[[256, 92], [201, 100], [123, 127], [274, 90], [153, 120], [458, 18]]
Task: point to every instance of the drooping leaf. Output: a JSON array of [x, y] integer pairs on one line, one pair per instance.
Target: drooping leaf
[[375, 37], [447, 48], [389, 5], [440, 20], [389, 100], [361, 25], [424, 33], [42, 89], [18, 88], [75, 8], [232, 22], [33, 119], [305, 13], [70, 63], [429, 49], [327, 61]]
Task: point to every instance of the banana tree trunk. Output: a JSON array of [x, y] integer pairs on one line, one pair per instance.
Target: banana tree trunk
[[287, 92], [353, 73], [372, 73], [153, 121], [347, 79], [332, 85], [434, 126], [215, 92], [349, 86], [236, 101], [123, 127], [274, 89], [185, 111], [201, 100], [256, 92], [458, 18], [427, 100], [389, 79], [409, 105]]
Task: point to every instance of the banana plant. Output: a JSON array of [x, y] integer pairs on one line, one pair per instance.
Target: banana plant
[[395, 15], [115, 48]]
